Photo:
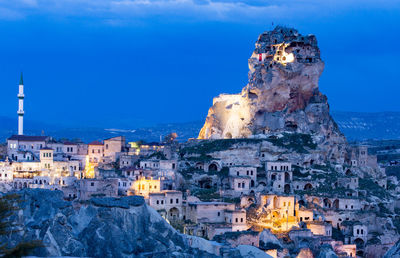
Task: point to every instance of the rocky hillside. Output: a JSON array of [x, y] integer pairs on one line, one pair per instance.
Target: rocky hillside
[[107, 227]]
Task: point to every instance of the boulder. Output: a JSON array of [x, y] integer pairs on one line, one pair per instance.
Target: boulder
[[326, 251], [269, 240]]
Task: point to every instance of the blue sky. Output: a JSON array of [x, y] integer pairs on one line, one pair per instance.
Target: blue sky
[[129, 63]]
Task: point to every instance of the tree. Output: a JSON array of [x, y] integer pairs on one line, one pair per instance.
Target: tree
[[8, 207]]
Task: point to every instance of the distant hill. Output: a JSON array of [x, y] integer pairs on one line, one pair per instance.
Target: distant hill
[[363, 126], [356, 126]]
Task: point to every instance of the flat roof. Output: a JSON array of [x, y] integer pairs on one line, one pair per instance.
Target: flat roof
[[95, 143], [210, 203], [28, 138]]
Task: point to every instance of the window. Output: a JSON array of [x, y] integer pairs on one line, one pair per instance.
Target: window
[[241, 219], [171, 201], [236, 220], [177, 200], [162, 202], [158, 202], [91, 183], [219, 214], [238, 185]]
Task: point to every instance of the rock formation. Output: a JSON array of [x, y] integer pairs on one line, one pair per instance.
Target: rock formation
[[282, 94], [393, 252], [105, 227]]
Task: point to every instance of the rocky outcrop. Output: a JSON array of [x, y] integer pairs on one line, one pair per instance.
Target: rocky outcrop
[[282, 94], [393, 252], [269, 240], [305, 253], [327, 252], [103, 227]]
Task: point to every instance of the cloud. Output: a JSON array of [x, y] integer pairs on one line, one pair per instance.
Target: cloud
[[111, 11]]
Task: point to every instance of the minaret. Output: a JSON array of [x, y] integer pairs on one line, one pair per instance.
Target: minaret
[[20, 111]]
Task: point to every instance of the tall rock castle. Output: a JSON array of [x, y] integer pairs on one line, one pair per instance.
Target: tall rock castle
[[282, 94]]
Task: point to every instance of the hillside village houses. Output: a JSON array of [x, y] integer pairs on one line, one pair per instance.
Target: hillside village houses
[[225, 198]]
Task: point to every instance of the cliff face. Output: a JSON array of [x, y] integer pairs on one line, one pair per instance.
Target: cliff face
[[103, 227], [282, 93]]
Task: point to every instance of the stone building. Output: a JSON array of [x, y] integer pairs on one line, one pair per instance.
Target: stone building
[[25, 148], [209, 219], [144, 186], [89, 188], [245, 171], [126, 161], [320, 228], [208, 211], [168, 203], [6, 172], [238, 185], [96, 152], [279, 177], [113, 147]]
